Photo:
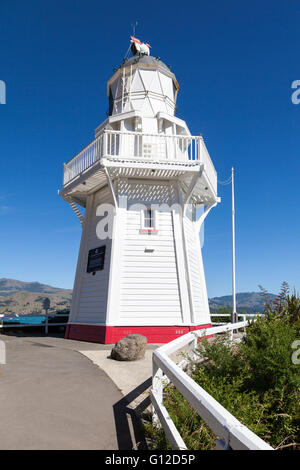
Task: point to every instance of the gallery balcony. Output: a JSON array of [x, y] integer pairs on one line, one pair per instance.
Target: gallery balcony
[[129, 149]]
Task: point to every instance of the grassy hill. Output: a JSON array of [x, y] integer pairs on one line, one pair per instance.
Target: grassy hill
[[12, 286], [27, 297], [23, 303], [249, 302]]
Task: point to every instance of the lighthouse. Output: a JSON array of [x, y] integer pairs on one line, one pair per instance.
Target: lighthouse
[[141, 190]]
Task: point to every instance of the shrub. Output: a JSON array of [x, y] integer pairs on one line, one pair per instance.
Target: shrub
[[254, 380]]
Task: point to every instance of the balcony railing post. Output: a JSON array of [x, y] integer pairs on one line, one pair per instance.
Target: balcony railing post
[[105, 149], [65, 174], [176, 147], [200, 149]]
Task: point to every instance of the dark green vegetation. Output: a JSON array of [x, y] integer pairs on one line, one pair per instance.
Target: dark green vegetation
[[255, 380]]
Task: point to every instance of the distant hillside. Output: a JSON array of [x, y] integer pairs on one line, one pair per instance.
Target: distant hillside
[[249, 302], [23, 303], [27, 297], [12, 286]]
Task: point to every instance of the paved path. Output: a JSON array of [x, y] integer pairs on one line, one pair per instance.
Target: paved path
[[52, 397]]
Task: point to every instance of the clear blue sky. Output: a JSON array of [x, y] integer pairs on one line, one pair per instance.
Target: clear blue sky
[[235, 62]]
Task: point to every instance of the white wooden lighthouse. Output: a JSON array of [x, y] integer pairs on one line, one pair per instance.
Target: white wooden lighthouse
[[140, 181]]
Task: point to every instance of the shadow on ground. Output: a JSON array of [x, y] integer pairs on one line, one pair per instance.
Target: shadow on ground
[[128, 418]]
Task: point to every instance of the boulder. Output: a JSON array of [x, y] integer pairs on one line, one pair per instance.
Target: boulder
[[129, 348]]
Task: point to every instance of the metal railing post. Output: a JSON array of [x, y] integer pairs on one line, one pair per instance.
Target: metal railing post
[[46, 323]]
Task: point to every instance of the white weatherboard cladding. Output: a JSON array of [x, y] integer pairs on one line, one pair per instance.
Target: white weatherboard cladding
[[91, 291], [196, 274], [149, 286], [155, 279]]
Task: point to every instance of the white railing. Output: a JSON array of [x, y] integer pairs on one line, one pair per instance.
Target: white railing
[[244, 316], [84, 160], [31, 325], [144, 147], [231, 433]]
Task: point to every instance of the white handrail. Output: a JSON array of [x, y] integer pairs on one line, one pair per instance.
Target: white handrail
[[231, 432], [244, 316], [144, 147]]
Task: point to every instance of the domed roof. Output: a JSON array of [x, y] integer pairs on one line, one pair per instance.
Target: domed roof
[[144, 59]]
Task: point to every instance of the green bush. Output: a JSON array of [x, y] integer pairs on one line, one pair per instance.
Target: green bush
[[255, 380]]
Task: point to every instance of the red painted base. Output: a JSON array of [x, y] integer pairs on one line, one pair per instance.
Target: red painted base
[[112, 334]]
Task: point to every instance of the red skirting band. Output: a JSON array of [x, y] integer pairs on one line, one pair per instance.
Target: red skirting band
[[112, 334]]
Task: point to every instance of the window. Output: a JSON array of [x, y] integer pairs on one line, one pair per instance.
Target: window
[[148, 220]]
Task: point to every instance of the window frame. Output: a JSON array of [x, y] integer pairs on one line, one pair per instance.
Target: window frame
[[153, 228]]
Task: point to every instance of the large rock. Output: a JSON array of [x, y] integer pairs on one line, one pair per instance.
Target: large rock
[[129, 348]]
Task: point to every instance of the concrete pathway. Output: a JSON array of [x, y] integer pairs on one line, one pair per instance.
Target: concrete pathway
[[64, 394], [126, 375], [52, 397]]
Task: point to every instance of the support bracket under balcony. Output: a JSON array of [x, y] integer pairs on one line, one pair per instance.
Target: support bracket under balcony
[[193, 184], [75, 209], [203, 216], [110, 182]]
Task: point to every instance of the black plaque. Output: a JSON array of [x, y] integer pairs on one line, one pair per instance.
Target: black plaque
[[96, 259]]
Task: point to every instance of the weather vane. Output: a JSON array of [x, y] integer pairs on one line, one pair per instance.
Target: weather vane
[[134, 27], [137, 46]]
